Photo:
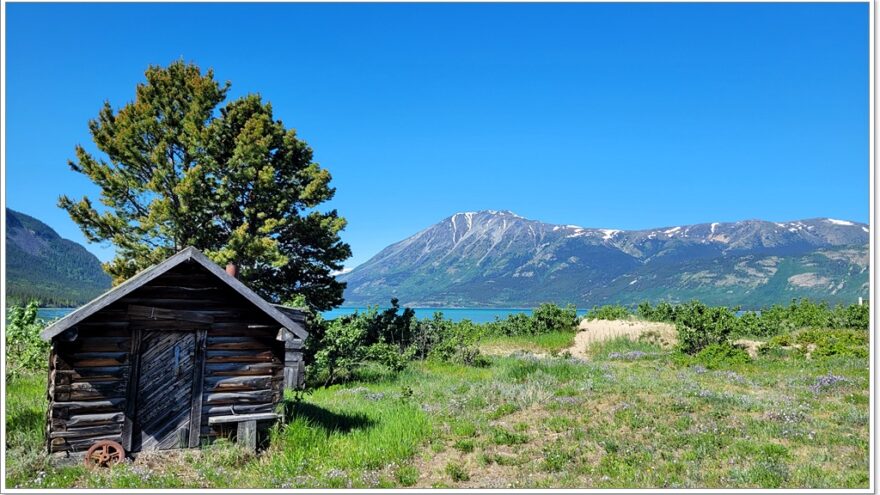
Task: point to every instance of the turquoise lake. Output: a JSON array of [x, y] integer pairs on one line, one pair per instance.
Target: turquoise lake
[[476, 315]]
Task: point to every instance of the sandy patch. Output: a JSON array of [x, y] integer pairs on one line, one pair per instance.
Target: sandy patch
[[594, 331], [751, 346]]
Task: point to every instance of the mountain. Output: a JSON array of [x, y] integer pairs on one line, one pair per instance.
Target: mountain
[[500, 259], [41, 265]]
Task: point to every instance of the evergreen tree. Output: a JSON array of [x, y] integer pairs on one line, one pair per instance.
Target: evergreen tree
[[233, 181]]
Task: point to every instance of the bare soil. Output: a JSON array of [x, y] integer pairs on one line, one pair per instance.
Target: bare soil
[[594, 331]]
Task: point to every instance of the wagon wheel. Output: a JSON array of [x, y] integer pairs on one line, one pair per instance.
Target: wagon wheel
[[104, 453]]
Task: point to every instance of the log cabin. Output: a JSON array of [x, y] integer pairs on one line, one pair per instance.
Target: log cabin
[[171, 358]]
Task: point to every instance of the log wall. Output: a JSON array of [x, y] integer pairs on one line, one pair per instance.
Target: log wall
[[242, 358]]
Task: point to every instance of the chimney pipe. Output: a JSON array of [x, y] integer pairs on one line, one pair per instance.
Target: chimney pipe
[[232, 270]]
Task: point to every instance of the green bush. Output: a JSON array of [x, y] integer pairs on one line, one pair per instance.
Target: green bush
[[446, 340], [716, 356], [23, 341], [341, 348], [775, 320], [700, 326], [608, 312], [663, 311], [548, 318], [515, 324], [337, 349], [822, 343]]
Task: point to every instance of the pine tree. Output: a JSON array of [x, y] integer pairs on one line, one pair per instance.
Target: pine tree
[[180, 170]]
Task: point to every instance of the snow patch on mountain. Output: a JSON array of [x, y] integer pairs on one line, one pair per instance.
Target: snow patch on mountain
[[838, 222], [609, 233]]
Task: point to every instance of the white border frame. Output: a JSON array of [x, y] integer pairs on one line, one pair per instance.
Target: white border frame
[[872, 299]]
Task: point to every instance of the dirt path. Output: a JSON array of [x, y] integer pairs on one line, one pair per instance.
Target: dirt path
[[601, 330]]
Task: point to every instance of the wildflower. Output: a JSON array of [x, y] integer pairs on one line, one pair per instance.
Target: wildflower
[[826, 381]]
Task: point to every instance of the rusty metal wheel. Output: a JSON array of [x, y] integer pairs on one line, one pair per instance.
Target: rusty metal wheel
[[104, 453]]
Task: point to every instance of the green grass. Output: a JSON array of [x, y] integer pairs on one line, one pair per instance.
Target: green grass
[[526, 422], [551, 342]]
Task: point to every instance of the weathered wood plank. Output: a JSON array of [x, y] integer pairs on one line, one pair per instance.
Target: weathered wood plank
[[239, 383], [91, 375], [66, 409], [102, 329], [90, 360], [227, 409], [131, 390], [82, 420], [254, 328], [198, 384], [247, 434], [250, 397], [165, 325], [97, 344], [237, 369], [183, 300], [237, 418], [89, 390], [88, 431], [242, 356], [239, 346], [136, 311], [291, 378]]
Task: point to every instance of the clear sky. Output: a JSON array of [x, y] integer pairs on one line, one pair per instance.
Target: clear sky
[[618, 116]]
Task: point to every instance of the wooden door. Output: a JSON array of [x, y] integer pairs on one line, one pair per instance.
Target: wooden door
[[164, 390]]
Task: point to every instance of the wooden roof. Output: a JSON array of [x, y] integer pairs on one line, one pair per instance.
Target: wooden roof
[[286, 317]]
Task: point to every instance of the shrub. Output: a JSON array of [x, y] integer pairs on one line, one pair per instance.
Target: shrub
[[822, 343], [341, 349], [450, 341], [548, 318], [514, 324], [717, 356], [663, 311], [337, 349], [608, 312], [388, 355], [852, 316], [771, 321], [699, 326], [23, 340]]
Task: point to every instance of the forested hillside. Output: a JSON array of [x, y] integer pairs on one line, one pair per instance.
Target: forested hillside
[[41, 265]]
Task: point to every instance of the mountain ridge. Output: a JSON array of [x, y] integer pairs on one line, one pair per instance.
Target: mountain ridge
[[495, 258], [42, 265]]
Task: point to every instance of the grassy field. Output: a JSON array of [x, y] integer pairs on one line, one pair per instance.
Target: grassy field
[[632, 415]]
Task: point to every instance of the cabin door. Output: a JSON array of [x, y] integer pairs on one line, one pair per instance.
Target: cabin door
[[165, 390]]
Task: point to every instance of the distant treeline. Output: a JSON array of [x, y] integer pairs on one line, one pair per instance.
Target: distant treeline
[[44, 297]]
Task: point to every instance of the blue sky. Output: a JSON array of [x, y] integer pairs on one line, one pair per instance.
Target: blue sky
[[626, 116]]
